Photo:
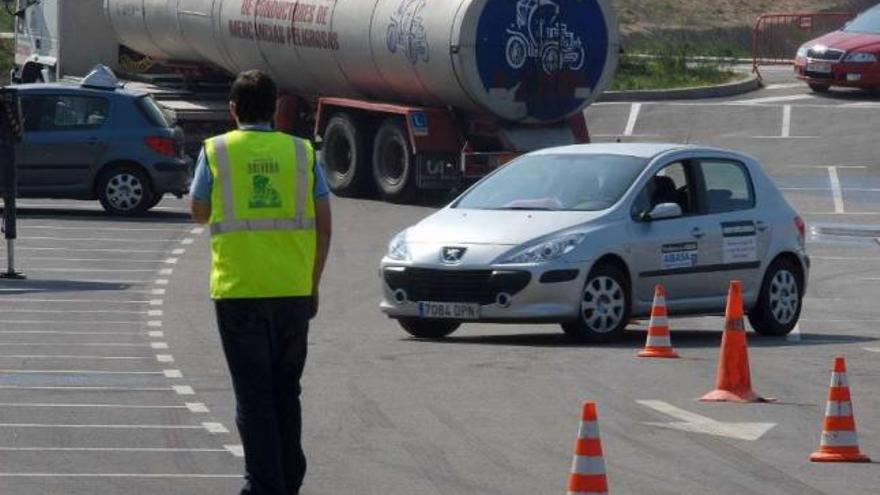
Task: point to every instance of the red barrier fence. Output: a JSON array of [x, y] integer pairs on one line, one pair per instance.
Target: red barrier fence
[[777, 37]]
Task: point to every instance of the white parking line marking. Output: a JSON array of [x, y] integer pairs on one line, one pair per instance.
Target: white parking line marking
[[786, 121], [826, 166], [171, 261], [77, 372], [164, 358], [183, 390], [156, 334], [80, 311], [236, 450], [113, 427], [782, 86], [158, 292], [85, 260], [155, 312], [72, 356], [76, 388], [120, 475], [61, 332], [95, 239], [197, 407], [154, 323], [835, 189], [634, 111], [110, 229], [774, 99], [166, 271], [850, 189], [156, 302], [96, 250], [91, 270], [848, 213], [69, 322], [70, 301], [215, 428], [872, 349], [90, 406], [161, 281], [158, 345], [186, 241], [172, 373], [109, 449], [178, 252], [198, 230], [72, 344]]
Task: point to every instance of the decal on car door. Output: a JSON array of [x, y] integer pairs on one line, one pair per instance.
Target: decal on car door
[[680, 255], [740, 243]]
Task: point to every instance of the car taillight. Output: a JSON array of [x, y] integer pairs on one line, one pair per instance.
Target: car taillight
[[165, 146], [801, 227]]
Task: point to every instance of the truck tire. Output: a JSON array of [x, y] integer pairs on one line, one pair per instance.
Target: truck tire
[[345, 154], [428, 329], [125, 190], [394, 163]]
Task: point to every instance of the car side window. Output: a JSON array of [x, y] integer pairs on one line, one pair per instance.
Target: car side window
[[64, 113], [669, 185], [728, 186]]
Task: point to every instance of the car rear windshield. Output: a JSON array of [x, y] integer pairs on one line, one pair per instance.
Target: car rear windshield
[[152, 112], [558, 182], [868, 22]]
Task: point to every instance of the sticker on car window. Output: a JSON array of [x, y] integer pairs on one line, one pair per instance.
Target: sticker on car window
[[681, 255], [740, 244]]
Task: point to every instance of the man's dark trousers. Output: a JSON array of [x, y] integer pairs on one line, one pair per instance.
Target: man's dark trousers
[[265, 343]]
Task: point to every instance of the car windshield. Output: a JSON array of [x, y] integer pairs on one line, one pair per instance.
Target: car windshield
[[152, 111], [868, 22], [558, 182]]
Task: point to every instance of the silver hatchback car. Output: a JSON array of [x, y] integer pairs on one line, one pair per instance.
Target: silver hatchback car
[[580, 236]]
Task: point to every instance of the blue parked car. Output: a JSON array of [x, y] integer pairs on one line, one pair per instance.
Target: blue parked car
[[97, 140]]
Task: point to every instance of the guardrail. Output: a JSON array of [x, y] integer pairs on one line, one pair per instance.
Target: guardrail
[[776, 37]]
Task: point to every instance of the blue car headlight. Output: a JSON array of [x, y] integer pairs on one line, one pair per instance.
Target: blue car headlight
[[547, 249], [398, 249]]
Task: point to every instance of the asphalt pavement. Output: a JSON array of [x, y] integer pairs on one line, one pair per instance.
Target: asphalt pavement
[[112, 379]]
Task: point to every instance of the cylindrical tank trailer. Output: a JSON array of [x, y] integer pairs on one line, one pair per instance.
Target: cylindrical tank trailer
[[523, 62]]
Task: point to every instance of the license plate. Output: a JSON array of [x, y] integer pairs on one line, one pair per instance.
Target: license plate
[[820, 67], [451, 311]]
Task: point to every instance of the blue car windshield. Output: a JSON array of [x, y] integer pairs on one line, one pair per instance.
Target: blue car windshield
[[868, 22], [557, 182]]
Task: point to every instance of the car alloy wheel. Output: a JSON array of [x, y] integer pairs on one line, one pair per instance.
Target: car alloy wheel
[[784, 297], [603, 304], [125, 191]]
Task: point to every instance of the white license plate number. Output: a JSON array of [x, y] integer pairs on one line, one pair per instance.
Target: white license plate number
[[819, 67], [450, 311]]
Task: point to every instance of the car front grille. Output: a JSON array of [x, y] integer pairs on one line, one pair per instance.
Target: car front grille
[[830, 55], [464, 286]]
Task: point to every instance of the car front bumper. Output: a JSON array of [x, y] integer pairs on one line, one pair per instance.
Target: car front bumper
[[847, 74], [547, 293]]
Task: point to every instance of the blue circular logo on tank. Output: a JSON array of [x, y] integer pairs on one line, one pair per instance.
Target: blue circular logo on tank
[[547, 55]]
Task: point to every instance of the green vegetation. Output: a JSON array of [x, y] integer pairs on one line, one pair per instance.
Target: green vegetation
[[669, 70]]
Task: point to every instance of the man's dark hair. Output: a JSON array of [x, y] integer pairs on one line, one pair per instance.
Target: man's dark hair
[[254, 94]]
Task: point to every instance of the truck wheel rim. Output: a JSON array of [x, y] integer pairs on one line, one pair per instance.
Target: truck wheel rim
[[392, 166], [603, 303], [125, 191], [784, 296]]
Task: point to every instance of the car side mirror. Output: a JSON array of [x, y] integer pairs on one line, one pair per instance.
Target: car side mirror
[[663, 211]]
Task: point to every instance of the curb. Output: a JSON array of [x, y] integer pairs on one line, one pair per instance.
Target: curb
[[729, 89]]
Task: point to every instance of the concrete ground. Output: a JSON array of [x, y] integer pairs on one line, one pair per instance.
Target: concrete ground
[[112, 379]]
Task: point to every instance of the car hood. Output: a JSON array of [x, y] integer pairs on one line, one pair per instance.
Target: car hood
[[504, 227], [848, 42]]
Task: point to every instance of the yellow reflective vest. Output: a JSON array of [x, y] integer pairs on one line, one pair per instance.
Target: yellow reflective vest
[[263, 239]]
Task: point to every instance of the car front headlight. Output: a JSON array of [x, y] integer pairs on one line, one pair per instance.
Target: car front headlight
[[802, 51], [398, 249], [860, 58], [546, 249]]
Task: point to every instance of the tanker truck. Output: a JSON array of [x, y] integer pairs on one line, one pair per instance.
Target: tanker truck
[[400, 95]]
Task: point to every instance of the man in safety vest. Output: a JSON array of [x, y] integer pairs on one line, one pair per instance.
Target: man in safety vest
[[267, 204]]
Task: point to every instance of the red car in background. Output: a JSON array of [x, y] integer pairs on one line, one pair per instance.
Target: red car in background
[[849, 57]]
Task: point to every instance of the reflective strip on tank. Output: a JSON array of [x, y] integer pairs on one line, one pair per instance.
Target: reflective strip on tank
[[839, 439], [260, 225], [837, 408], [588, 429], [588, 465]]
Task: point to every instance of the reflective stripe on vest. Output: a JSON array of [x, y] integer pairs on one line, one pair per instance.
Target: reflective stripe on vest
[[231, 224]]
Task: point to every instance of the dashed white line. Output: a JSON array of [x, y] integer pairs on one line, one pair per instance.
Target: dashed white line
[[77, 388], [92, 228], [178, 251], [161, 281], [154, 323], [156, 302], [187, 241], [198, 230], [634, 111], [835, 189], [96, 250], [81, 311], [197, 407], [70, 322], [77, 372], [166, 271], [872, 349], [155, 312], [215, 428], [77, 344], [210, 427], [236, 450], [68, 301], [774, 99], [25, 259], [112, 449], [158, 292], [94, 239], [164, 358], [72, 356], [183, 390], [786, 121], [61, 332], [171, 261], [119, 475], [92, 270], [156, 334], [172, 373], [158, 345], [90, 406]]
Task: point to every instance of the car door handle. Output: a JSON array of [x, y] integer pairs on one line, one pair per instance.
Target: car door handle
[[761, 226], [698, 233]]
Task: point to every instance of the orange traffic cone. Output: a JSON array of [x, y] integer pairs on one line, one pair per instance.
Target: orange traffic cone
[[839, 440], [588, 467], [733, 382], [659, 344]]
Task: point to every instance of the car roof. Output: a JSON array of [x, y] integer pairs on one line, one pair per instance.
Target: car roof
[[640, 150], [76, 88]]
